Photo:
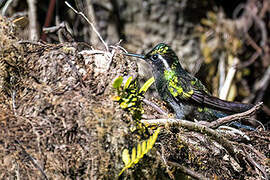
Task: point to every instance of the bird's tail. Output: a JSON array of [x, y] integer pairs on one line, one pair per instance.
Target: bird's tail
[[219, 104]]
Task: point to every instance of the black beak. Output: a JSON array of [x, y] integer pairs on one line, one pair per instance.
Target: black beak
[[135, 55]]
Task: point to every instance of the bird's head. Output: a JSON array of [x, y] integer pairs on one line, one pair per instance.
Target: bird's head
[[161, 57]]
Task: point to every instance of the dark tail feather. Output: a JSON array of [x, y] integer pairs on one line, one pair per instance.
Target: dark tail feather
[[234, 107], [215, 103]]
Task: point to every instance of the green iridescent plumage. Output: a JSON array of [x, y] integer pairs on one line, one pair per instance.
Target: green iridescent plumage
[[188, 97]]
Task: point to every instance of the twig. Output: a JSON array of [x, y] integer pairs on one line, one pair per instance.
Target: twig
[[158, 109], [232, 131], [92, 25], [254, 56], [234, 117], [111, 55], [4, 9], [257, 121], [233, 151], [117, 46], [250, 61], [123, 49], [53, 28], [163, 121], [255, 164], [91, 52], [264, 9], [261, 25], [48, 19], [14, 102], [32, 160], [188, 171], [32, 42], [264, 81], [263, 84], [253, 43], [57, 22], [164, 160]]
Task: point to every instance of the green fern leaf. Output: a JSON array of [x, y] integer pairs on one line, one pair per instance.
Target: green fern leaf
[[128, 82], [117, 82], [126, 157], [147, 84], [133, 156], [142, 149]]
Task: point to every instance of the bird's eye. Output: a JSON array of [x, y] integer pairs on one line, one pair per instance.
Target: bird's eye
[[155, 57]]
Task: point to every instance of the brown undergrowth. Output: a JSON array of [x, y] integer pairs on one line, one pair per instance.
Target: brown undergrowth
[[58, 121]]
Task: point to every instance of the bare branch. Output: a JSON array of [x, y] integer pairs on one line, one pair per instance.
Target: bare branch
[[158, 109], [4, 9], [92, 25], [187, 171], [32, 159], [234, 117]]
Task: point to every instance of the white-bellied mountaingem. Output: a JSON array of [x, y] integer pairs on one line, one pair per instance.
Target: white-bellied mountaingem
[[188, 97]]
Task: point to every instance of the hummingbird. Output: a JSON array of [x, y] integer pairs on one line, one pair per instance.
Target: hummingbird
[[184, 93]]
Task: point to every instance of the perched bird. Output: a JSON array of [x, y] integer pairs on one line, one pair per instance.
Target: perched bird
[[188, 97]]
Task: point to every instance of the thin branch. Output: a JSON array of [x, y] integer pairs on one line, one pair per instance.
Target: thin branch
[[32, 42], [233, 151], [165, 160], [91, 52], [255, 164], [156, 107], [111, 55], [233, 132], [234, 117], [14, 102], [48, 19], [33, 160], [117, 46], [187, 171], [92, 25], [4, 9], [252, 59], [262, 27], [53, 28], [57, 22], [263, 84]]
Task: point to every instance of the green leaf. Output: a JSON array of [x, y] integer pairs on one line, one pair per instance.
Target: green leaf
[[123, 105], [117, 82], [147, 84], [133, 155], [142, 149], [139, 151], [128, 82], [126, 157]]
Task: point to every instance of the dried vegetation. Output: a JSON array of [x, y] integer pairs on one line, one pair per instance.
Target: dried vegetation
[[58, 119]]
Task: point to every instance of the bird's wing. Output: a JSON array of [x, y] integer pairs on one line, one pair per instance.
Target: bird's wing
[[191, 90], [207, 100]]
